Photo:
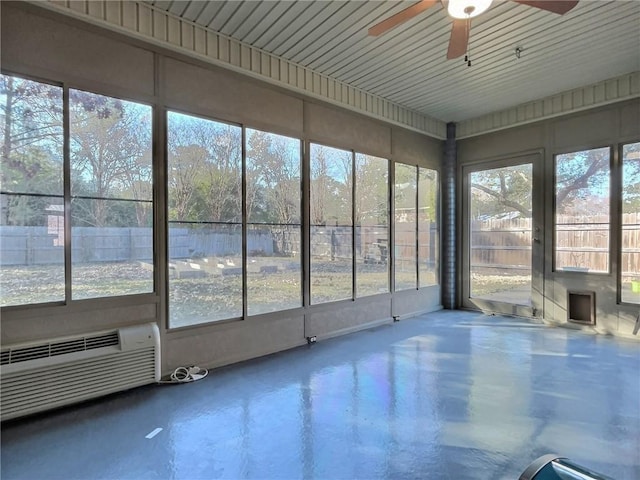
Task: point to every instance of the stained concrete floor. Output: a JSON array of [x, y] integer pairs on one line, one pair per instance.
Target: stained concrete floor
[[448, 395]]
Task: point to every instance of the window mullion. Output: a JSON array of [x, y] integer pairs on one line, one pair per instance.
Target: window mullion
[[66, 186], [353, 225], [417, 206], [391, 251], [305, 209], [244, 222]]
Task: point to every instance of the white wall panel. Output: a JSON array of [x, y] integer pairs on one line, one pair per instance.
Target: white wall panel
[[590, 96]]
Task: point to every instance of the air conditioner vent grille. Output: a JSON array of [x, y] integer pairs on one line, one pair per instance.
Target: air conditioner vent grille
[[109, 340], [67, 347], [45, 350]]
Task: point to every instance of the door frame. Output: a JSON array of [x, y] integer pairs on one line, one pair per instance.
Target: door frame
[[536, 159]]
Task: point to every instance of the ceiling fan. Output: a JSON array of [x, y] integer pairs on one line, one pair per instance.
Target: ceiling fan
[[462, 11]]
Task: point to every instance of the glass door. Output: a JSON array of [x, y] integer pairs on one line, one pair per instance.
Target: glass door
[[502, 239]]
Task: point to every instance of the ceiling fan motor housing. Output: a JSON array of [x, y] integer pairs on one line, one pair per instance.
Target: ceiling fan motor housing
[[463, 9]]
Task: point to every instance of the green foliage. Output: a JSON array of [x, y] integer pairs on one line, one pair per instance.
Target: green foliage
[[502, 191], [582, 182], [204, 171], [331, 181], [110, 146], [428, 195], [31, 124], [631, 178], [406, 184], [273, 178], [110, 143], [372, 190]]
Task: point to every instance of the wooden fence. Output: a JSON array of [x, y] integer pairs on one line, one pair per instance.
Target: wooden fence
[[581, 242]]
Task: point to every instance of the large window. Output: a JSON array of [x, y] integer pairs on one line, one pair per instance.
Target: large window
[[630, 254], [372, 225], [331, 224], [582, 211], [273, 222], [31, 193], [205, 220], [428, 231], [405, 232], [111, 196]]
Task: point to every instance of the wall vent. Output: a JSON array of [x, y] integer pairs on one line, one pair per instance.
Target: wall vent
[[581, 307], [45, 375], [51, 349]]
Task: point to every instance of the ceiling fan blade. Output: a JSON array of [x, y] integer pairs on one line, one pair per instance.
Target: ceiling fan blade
[[558, 6], [459, 38], [401, 17]]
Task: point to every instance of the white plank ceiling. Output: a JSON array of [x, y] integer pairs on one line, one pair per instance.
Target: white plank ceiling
[[597, 40]]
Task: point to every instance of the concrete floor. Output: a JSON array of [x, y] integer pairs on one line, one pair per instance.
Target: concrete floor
[[449, 395]]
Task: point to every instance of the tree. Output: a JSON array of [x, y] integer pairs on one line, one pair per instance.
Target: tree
[[631, 178], [186, 163], [372, 189], [282, 179], [110, 143], [405, 192], [273, 185], [31, 123], [581, 177], [222, 182], [204, 170], [273, 175], [427, 195], [330, 186], [502, 190]]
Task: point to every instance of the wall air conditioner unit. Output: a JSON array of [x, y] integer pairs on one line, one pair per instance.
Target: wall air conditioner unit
[[44, 375]]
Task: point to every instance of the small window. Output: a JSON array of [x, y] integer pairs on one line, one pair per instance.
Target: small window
[[331, 224], [31, 193], [630, 254], [582, 211], [111, 196]]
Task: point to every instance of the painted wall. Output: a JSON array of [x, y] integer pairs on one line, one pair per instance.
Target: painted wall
[[611, 125], [42, 44]]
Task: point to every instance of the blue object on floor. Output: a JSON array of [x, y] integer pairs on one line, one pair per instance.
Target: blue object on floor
[[554, 467]]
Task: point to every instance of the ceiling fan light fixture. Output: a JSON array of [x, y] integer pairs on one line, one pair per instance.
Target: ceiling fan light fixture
[[464, 9]]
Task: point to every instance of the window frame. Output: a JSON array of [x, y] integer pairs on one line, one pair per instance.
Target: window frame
[[618, 192], [165, 167], [68, 301], [415, 229], [307, 211], [246, 223], [69, 197], [389, 284], [66, 273], [610, 251], [438, 242]]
